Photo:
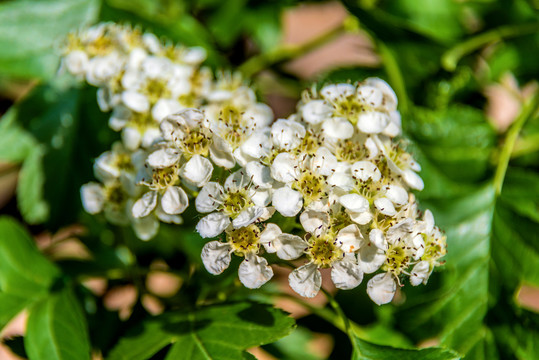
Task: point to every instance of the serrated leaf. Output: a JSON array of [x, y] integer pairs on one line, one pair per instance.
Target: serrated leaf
[[364, 350], [57, 329], [214, 332], [31, 32]]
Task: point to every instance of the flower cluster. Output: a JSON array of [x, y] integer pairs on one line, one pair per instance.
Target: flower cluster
[[334, 166]]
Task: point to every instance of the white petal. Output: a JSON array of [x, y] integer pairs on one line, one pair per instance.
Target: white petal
[[397, 194], [324, 162], [247, 216], [212, 225], [365, 170], [381, 288], [361, 218], [370, 95], [145, 228], [371, 258], [256, 145], [385, 206], [342, 180], [260, 115], [145, 204], [400, 230], [283, 168], [151, 136], [289, 247], [254, 272], [428, 218], [372, 122], [93, 197], [76, 62], [131, 138], [268, 236], [377, 238], [216, 257], [135, 101], [167, 218], [392, 129], [338, 128], [354, 202], [372, 147], [314, 221], [316, 111], [261, 197], [335, 91], [174, 200], [197, 171], [306, 280], [164, 158], [165, 107], [413, 180], [237, 179], [346, 274], [349, 238], [420, 273], [287, 134], [287, 202], [206, 202], [260, 174], [390, 97], [419, 246], [221, 153]]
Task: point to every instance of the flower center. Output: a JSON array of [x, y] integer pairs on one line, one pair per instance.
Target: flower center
[[349, 108], [163, 178], [142, 121], [244, 240], [156, 89], [323, 252], [309, 144], [115, 194], [397, 259], [311, 186], [350, 151], [196, 142], [235, 201], [123, 162]]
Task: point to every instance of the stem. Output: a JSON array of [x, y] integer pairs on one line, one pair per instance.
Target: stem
[[287, 52], [335, 305], [451, 57], [395, 75], [528, 109]]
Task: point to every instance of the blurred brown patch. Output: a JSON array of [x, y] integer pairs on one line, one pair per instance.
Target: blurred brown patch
[[163, 284], [9, 174], [321, 345], [260, 354], [121, 299], [308, 21], [97, 285], [16, 327], [152, 304], [528, 297]]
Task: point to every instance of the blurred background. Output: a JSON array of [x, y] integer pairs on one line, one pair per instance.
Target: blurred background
[[464, 72]]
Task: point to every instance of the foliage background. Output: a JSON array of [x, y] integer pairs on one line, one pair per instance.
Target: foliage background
[[465, 73]]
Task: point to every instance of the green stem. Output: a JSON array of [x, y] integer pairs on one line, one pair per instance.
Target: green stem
[[335, 305], [287, 52], [451, 57], [528, 109], [395, 75]]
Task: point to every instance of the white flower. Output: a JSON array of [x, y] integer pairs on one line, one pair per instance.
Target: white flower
[[93, 197], [287, 134], [237, 203], [316, 111], [245, 241], [76, 62]]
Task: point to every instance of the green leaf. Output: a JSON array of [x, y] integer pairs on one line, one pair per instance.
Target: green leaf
[[11, 305], [364, 350], [459, 140], [24, 271], [31, 32], [57, 329], [215, 332], [32, 204], [15, 142]]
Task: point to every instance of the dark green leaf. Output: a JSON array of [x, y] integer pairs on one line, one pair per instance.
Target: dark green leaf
[[32, 204], [216, 332], [31, 32], [364, 350], [57, 329]]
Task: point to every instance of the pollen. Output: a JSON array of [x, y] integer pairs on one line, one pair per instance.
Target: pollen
[[244, 240], [235, 201], [397, 259], [322, 251], [350, 151], [163, 178], [311, 186], [196, 142]]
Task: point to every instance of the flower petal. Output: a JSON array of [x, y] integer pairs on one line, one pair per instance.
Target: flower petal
[[174, 200], [306, 280], [365, 170], [372, 122], [289, 247], [338, 128], [93, 197], [377, 238], [397, 194], [221, 153], [381, 288], [346, 274], [135, 101], [216, 257], [385, 206], [209, 197], [212, 225], [197, 171], [254, 271], [349, 238], [247, 216], [164, 158], [316, 111], [314, 221], [287, 202], [420, 273], [145, 204], [371, 258], [354, 202], [269, 235]]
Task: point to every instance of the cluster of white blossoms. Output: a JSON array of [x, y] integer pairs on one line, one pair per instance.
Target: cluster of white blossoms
[[334, 166]]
